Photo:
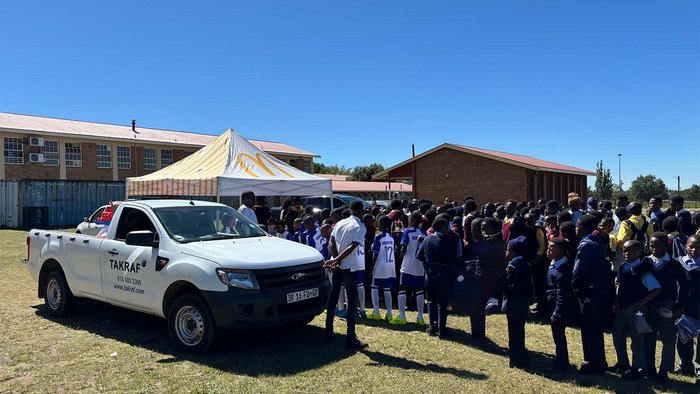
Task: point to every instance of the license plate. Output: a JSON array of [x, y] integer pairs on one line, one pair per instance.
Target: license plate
[[302, 295]]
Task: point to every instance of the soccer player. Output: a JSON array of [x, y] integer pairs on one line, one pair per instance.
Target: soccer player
[[384, 270], [412, 271]]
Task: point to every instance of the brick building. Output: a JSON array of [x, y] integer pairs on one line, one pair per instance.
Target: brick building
[[456, 171], [44, 148]]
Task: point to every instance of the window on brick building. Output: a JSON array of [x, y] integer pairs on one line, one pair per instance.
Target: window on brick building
[[186, 153], [50, 152], [293, 162], [166, 157], [74, 154], [13, 151], [123, 157], [149, 158], [307, 166], [104, 156]]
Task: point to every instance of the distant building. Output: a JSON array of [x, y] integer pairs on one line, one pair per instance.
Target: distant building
[[367, 190], [456, 171], [43, 148]]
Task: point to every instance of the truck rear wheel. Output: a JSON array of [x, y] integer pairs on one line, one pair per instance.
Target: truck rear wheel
[[191, 325], [59, 300]]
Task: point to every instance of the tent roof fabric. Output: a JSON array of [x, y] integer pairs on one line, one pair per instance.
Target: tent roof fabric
[[104, 131], [398, 171], [228, 166]]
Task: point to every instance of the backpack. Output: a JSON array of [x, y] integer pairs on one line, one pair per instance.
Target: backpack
[[677, 246], [640, 235]]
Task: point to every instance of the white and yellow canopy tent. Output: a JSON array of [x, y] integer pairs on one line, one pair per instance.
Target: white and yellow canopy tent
[[228, 166]]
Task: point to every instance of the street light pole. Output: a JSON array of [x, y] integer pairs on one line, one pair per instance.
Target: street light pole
[[619, 170]]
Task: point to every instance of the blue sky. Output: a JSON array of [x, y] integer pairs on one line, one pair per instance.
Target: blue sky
[[359, 82]]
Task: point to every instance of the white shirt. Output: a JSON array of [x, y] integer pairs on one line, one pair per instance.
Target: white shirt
[[345, 233], [557, 263], [410, 263], [383, 246], [249, 213], [659, 262], [360, 255]]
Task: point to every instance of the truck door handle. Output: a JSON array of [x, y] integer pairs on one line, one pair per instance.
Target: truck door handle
[[113, 252], [86, 241]]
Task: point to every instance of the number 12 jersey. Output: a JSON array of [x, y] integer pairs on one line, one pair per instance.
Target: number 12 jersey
[[383, 246]]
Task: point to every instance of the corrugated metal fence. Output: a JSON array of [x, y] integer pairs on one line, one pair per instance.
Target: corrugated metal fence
[[9, 216], [53, 203]]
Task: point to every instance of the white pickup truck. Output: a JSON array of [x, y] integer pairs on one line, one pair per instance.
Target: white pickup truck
[[202, 266]]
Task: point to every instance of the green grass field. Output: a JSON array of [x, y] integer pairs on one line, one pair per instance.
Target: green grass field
[[76, 354]]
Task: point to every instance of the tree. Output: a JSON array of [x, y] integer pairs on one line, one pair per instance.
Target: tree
[[320, 168], [603, 182], [692, 193], [364, 173], [645, 187]]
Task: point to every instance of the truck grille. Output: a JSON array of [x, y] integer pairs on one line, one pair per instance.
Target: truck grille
[[277, 278]]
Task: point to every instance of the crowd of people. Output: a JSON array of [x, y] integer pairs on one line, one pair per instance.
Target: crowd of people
[[635, 271]]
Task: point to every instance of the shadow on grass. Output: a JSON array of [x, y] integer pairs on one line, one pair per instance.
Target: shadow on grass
[[457, 336], [381, 359], [280, 352], [541, 365]]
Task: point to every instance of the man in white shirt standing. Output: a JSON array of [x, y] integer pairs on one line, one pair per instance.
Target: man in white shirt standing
[[347, 235], [247, 201]]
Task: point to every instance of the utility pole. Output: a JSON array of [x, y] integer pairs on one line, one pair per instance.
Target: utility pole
[[619, 170], [679, 185]]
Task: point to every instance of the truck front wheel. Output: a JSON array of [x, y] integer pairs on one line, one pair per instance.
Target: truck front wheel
[[191, 324], [59, 300]]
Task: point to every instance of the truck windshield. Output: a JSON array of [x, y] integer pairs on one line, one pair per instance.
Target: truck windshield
[[206, 223]]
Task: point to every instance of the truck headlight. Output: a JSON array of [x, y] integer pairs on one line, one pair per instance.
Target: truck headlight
[[237, 278]]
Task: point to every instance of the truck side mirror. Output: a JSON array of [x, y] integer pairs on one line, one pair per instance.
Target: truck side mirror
[[142, 238]]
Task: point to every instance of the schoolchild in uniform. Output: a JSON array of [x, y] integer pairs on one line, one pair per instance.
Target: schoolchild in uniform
[[438, 252], [665, 308], [518, 292], [636, 287], [384, 270], [676, 240], [559, 298], [412, 271], [691, 270]]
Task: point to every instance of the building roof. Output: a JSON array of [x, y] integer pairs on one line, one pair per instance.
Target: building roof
[[342, 184], [356, 186], [333, 177], [45, 126], [401, 171]]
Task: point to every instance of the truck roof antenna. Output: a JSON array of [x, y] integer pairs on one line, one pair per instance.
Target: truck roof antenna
[[182, 191]]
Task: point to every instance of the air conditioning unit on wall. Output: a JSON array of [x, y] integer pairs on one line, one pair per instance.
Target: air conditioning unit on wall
[[36, 158], [36, 141]]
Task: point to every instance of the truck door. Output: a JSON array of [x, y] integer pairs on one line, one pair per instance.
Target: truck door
[[128, 271], [84, 254]]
